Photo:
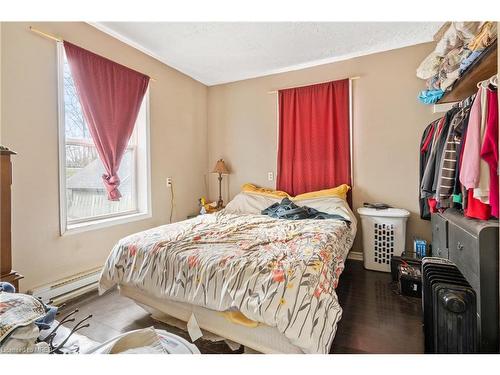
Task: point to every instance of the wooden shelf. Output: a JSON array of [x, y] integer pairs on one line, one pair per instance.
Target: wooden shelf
[[483, 68]]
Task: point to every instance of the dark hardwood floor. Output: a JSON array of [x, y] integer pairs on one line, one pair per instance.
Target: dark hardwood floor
[[376, 319]]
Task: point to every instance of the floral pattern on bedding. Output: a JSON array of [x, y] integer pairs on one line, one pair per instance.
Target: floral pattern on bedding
[[278, 272]]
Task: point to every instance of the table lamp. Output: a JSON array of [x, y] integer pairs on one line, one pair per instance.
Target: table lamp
[[220, 168]]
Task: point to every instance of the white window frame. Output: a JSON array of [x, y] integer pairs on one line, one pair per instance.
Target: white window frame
[[142, 173]]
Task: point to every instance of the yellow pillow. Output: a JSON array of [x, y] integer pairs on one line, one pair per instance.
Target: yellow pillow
[[249, 188], [339, 191]]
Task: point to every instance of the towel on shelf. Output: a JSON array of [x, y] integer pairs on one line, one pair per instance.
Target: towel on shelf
[[465, 63], [430, 96], [486, 36]]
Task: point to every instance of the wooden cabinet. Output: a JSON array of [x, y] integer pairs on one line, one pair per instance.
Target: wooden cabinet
[[6, 272], [473, 246]]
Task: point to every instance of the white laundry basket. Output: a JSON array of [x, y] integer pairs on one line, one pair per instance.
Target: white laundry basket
[[384, 235]]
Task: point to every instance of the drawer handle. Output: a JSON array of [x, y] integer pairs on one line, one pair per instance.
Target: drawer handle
[[460, 246]]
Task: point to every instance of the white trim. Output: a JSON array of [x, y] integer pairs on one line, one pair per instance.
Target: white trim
[[277, 139], [443, 107], [351, 129], [62, 138], [146, 206], [142, 186], [355, 255], [104, 223]]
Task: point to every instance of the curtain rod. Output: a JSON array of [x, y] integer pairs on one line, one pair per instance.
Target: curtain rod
[[55, 38], [309, 84]]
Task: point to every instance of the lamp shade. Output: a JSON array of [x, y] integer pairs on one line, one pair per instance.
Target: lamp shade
[[220, 167]]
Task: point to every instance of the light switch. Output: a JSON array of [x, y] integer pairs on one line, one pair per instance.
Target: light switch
[[270, 176]]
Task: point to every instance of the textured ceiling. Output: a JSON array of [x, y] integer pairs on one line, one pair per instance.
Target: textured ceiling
[[215, 53]]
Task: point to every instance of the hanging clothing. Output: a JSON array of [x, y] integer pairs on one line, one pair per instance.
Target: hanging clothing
[[458, 191], [440, 151], [459, 157], [475, 208], [427, 188], [489, 151], [425, 150], [482, 190], [469, 173], [448, 165]]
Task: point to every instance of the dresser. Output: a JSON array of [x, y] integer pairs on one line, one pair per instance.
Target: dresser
[[6, 272], [473, 246]]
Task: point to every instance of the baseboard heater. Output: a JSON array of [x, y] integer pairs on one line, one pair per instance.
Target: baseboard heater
[[68, 288], [449, 306]]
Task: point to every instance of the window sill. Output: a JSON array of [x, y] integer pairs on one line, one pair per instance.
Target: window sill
[[104, 223]]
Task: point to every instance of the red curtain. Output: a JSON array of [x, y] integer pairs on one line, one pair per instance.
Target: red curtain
[[111, 96], [314, 142]]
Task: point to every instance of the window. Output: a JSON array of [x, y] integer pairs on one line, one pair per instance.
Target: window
[[84, 202]]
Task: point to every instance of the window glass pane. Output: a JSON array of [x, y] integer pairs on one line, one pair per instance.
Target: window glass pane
[[86, 196]]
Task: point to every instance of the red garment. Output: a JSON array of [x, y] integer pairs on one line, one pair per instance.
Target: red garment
[[489, 151], [314, 141], [110, 95], [432, 205], [428, 140], [475, 208]]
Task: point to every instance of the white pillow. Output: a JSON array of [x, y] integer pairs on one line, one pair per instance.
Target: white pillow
[[329, 205], [248, 203]]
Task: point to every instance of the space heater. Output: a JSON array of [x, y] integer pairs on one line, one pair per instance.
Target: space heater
[[449, 307]]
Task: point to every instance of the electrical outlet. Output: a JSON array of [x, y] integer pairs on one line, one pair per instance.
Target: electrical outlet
[[270, 176], [169, 181]]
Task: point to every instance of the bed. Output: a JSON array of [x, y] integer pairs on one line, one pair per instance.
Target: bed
[[278, 275]]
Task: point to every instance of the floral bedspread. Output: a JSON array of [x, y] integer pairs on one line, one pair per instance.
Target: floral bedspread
[[282, 273]]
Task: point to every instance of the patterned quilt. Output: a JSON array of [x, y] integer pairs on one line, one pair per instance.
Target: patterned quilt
[[278, 272]]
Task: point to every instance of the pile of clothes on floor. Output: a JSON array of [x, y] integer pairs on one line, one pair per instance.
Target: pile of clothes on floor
[[459, 157], [28, 326], [22, 317], [459, 44]]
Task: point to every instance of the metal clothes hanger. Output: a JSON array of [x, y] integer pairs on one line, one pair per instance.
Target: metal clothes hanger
[[493, 80]]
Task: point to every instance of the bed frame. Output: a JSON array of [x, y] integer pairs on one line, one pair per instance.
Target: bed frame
[[263, 338]]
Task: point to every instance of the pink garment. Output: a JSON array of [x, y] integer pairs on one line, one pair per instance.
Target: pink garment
[[489, 152], [111, 96], [469, 170]]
